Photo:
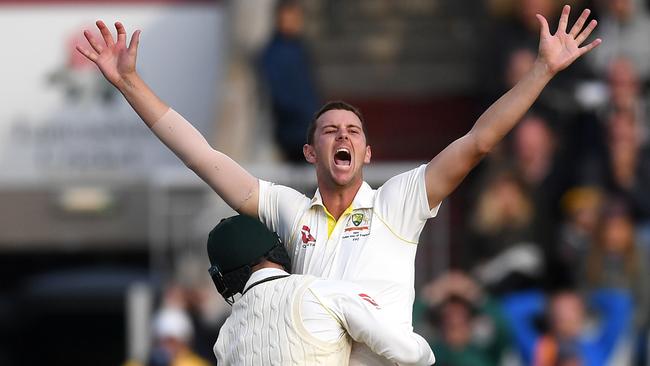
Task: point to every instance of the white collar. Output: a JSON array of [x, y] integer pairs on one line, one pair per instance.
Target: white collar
[[263, 273], [362, 199]]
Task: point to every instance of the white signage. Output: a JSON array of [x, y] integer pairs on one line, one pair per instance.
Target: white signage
[[59, 118]]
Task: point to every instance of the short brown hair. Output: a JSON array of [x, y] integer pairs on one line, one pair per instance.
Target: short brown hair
[[333, 105]]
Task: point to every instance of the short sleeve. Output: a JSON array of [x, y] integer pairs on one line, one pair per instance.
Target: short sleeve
[[279, 209], [403, 205]]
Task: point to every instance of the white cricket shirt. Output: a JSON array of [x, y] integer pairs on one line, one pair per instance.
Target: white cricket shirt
[[372, 244], [313, 326]]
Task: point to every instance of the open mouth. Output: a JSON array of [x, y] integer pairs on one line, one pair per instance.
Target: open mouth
[[342, 157]]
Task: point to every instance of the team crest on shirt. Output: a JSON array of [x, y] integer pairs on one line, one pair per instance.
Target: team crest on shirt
[[358, 225], [357, 218]]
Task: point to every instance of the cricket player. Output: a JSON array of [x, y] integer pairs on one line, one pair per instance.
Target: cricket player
[[347, 231], [283, 319]]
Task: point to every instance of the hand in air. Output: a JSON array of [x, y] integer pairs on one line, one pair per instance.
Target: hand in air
[[115, 60], [559, 50]]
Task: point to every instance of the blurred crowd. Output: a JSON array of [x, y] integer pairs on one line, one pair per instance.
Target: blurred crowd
[[555, 251], [556, 235], [184, 327]]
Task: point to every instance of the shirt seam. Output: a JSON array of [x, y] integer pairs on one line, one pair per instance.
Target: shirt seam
[[301, 328], [329, 311], [393, 231]]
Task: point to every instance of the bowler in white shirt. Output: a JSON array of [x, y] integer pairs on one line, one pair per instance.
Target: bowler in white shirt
[[283, 319]]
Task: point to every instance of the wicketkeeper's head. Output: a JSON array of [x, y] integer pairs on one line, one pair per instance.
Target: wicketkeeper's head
[[235, 246]]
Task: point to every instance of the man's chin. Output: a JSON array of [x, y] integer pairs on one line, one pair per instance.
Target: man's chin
[[343, 180], [340, 177]]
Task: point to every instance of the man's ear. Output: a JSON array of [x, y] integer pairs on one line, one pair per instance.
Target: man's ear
[[310, 153], [366, 158]]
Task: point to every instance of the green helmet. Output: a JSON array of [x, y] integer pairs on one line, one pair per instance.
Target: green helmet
[[236, 245]]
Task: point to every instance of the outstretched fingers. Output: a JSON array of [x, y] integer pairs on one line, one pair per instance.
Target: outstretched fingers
[[106, 34], [587, 31], [577, 27], [94, 43], [92, 56], [590, 46], [121, 33], [564, 19]]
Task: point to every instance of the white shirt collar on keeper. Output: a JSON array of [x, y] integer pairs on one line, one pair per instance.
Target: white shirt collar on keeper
[[263, 273]]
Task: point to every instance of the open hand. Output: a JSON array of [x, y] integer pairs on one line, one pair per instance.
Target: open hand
[[114, 60], [454, 283], [559, 50]]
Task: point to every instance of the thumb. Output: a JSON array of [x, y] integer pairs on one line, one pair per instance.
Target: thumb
[[135, 41], [543, 26]]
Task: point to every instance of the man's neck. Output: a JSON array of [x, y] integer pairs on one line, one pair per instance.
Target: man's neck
[[338, 199], [265, 263], [261, 271]]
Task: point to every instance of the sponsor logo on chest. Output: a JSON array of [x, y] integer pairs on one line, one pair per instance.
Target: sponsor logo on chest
[[307, 238]]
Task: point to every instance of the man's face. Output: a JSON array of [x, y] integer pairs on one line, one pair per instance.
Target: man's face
[[567, 315], [528, 9], [624, 83], [621, 9], [290, 21], [533, 141], [622, 130], [456, 324], [617, 234], [339, 150]]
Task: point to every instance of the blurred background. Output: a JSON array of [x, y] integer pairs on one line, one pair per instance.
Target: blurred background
[[539, 258]]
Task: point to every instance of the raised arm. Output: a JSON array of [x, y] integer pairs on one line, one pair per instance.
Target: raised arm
[[615, 310], [117, 62], [556, 51], [521, 309]]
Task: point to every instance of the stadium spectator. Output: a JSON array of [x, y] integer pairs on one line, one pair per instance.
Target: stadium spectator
[[502, 230], [546, 168], [287, 70], [173, 332], [517, 29], [519, 62], [625, 168], [471, 329], [511, 38], [625, 93], [534, 150], [581, 207], [205, 312], [617, 262], [626, 26], [566, 341], [540, 164], [514, 29]]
